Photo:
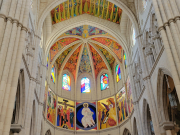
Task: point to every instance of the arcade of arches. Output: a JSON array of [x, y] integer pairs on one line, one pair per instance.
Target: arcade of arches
[[90, 67]]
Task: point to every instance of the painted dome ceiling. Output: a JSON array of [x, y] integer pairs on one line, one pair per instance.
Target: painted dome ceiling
[[99, 8], [85, 49]]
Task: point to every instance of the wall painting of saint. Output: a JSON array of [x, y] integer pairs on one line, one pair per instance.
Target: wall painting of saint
[[121, 102], [51, 107], [129, 96], [65, 113], [86, 116], [107, 113]]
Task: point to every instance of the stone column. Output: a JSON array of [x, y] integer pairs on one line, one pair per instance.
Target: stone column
[[15, 70], [41, 98], [151, 99], [167, 47], [32, 87]]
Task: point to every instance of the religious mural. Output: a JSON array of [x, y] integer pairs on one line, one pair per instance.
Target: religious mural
[[85, 65], [45, 98], [100, 8], [86, 116], [65, 113], [111, 44], [59, 45], [51, 107], [106, 113], [121, 102], [129, 95], [97, 61], [63, 55], [72, 62], [110, 59]]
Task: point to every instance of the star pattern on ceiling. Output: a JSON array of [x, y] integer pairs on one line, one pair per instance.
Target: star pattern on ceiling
[[95, 50], [98, 62], [99, 8], [56, 47], [113, 45], [85, 65], [110, 59], [63, 55], [72, 62]]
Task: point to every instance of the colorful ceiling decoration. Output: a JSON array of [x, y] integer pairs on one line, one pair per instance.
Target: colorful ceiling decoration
[[72, 62], [85, 65], [63, 55], [85, 31], [99, 8], [113, 45], [110, 59], [98, 62], [59, 45]]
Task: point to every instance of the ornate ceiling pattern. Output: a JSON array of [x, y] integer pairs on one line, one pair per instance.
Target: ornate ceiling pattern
[[59, 45], [72, 62], [113, 45], [98, 62], [85, 31], [99, 8], [110, 59], [95, 44], [63, 55], [85, 65]]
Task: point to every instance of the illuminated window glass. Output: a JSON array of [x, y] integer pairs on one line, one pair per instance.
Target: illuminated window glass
[[31, 3], [104, 82], [66, 82], [53, 74], [85, 85], [134, 37], [144, 3], [118, 73], [47, 60], [125, 62]]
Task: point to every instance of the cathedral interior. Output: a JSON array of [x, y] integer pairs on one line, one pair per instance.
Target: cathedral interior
[[90, 67]]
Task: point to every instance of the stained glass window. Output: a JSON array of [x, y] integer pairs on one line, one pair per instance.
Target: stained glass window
[[118, 73], [47, 60], [144, 3], [125, 62], [134, 37], [104, 82], [53, 74], [85, 85], [66, 82]]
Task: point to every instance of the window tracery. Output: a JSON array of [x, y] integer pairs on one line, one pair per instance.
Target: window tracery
[[85, 85], [53, 73], [104, 82], [118, 73], [66, 82]]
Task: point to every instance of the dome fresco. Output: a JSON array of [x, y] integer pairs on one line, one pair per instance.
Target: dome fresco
[[88, 49], [99, 8]]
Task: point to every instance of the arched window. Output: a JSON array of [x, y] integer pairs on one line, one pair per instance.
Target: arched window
[[125, 63], [104, 82], [53, 73], [48, 132], [85, 85], [134, 37], [144, 4], [31, 3], [118, 73], [66, 82]]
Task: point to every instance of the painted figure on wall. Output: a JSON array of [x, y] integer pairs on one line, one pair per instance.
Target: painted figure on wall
[[121, 105], [129, 95], [65, 113], [106, 113], [86, 116], [51, 107], [45, 98]]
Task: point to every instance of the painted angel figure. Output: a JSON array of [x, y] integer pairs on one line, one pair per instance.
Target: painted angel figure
[[87, 119]]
